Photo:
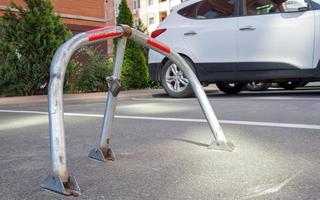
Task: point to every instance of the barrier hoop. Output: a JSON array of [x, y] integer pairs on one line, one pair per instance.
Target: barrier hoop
[[59, 180]]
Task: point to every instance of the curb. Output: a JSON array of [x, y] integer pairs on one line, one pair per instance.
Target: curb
[[73, 98]]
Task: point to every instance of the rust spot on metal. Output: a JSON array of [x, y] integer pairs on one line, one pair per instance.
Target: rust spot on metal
[[105, 151], [61, 160], [127, 31], [108, 155], [70, 191]]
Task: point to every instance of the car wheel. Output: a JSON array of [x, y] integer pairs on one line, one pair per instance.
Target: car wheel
[[174, 82], [231, 87], [258, 86], [290, 85]]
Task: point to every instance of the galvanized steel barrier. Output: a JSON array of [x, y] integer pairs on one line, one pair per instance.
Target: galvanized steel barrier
[[59, 180]]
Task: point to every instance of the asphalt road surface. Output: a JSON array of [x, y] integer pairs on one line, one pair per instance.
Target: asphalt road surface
[[160, 145]]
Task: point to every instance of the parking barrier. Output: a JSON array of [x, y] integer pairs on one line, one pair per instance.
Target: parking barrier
[[59, 180]]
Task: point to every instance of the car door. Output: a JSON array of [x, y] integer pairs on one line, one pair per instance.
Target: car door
[[272, 39], [209, 32]]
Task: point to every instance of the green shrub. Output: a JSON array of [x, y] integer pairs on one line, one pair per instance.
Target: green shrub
[[28, 42], [135, 72], [7, 86], [89, 76]]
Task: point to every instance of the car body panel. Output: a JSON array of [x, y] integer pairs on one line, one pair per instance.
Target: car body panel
[[292, 52], [215, 40], [316, 54], [277, 38]]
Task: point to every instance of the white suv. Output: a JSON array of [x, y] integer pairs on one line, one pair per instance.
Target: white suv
[[234, 42]]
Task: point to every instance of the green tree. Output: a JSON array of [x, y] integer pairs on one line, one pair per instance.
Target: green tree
[[135, 72], [30, 37]]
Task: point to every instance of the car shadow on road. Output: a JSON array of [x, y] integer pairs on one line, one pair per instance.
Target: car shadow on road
[[300, 92], [270, 93]]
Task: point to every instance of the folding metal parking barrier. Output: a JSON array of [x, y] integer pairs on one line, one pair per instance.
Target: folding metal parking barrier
[[59, 180]]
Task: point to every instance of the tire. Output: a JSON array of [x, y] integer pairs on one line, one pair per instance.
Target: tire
[[231, 87], [290, 85], [258, 86], [303, 83], [174, 82]]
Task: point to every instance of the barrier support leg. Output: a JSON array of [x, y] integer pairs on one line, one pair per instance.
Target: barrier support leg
[[104, 152], [59, 180], [220, 142]]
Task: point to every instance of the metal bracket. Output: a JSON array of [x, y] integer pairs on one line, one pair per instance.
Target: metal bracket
[[221, 146], [99, 154], [54, 183], [114, 85]]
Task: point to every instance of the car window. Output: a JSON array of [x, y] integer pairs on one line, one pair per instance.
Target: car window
[[315, 4], [258, 7], [209, 9], [190, 10]]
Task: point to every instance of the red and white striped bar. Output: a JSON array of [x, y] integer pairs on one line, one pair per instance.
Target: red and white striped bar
[[108, 32], [158, 45]]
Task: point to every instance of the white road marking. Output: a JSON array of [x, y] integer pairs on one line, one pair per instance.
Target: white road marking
[[271, 124], [229, 99], [270, 190], [248, 123]]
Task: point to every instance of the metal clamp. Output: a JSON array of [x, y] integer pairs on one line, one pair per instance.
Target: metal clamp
[[114, 85]]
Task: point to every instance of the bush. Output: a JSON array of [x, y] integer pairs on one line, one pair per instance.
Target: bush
[[89, 76], [150, 83], [7, 86], [29, 40], [135, 73]]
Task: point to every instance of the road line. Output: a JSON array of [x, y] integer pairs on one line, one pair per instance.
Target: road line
[[235, 122], [271, 190], [231, 99]]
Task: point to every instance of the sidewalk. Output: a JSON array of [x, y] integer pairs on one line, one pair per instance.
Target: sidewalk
[[90, 97], [84, 97]]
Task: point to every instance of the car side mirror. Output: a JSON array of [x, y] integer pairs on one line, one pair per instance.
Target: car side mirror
[[295, 6]]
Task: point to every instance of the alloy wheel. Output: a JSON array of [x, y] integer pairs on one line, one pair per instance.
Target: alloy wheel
[[175, 79]]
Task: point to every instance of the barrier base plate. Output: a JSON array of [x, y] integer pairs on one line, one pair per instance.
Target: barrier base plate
[[55, 184], [221, 146], [99, 154]]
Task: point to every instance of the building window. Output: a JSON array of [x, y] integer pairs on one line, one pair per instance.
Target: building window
[[162, 15], [136, 4], [150, 2], [136, 23], [106, 16], [151, 20], [117, 9]]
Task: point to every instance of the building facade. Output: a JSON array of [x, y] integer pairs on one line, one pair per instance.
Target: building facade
[[79, 16], [152, 12], [84, 15]]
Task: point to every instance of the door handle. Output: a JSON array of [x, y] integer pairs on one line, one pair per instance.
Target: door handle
[[247, 28], [190, 33]]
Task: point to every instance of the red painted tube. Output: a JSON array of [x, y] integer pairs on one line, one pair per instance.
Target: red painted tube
[[157, 45], [104, 35], [100, 29]]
